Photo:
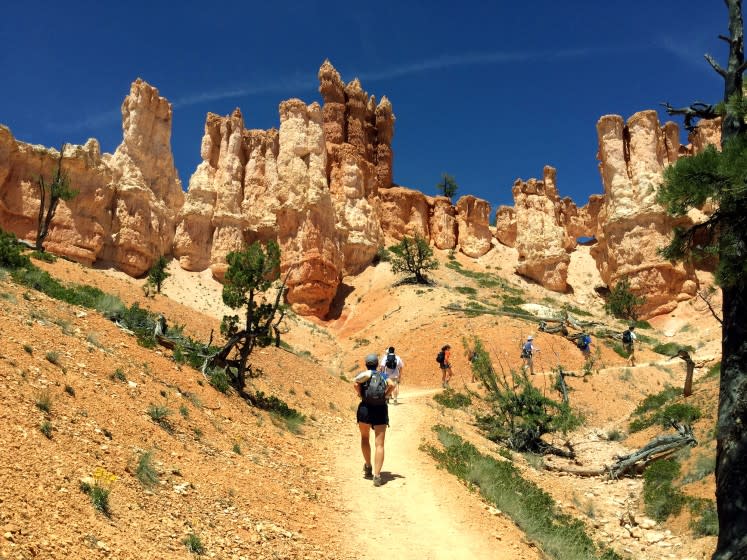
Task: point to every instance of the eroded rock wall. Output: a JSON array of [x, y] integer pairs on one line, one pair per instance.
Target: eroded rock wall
[[632, 225], [127, 203], [541, 239]]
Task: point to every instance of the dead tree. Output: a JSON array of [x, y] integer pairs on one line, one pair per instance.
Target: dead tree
[[690, 364], [635, 463]]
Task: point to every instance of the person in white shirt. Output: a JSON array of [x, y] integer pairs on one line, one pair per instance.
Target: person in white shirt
[[393, 373]]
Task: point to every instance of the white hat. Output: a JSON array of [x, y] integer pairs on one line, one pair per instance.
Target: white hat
[[530, 337]]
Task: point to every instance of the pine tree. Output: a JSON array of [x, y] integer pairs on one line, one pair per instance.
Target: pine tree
[[622, 302], [721, 177], [447, 186], [157, 274], [250, 274]]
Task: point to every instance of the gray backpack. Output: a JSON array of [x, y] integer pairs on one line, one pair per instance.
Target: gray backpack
[[374, 389]]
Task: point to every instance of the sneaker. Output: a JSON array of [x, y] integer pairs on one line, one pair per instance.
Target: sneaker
[[368, 471], [377, 481]]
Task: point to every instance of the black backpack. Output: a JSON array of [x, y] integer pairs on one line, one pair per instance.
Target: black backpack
[[374, 389], [627, 339], [441, 357], [391, 361]]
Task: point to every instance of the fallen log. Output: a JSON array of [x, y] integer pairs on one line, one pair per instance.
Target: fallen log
[[636, 462]]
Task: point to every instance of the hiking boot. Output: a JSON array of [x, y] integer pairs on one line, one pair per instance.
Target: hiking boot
[[368, 471], [395, 400], [377, 481]]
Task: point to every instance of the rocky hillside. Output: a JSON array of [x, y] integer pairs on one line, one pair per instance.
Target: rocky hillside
[[83, 400]]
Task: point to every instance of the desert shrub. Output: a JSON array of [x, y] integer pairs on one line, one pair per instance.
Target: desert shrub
[[160, 414], [44, 401], [184, 411], [11, 253], [53, 357], [46, 257], [194, 544], [661, 498], [466, 290], [219, 380], [652, 402], [451, 399], [46, 428], [671, 348], [615, 435], [713, 371], [703, 466], [99, 491], [69, 390], [118, 375], [705, 518], [145, 472], [28, 349], [236, 448]]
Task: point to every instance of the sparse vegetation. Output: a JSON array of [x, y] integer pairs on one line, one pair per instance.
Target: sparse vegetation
[[44, 401], [53, 357], [660, 497], [160, 415], [705, 518], [46, 428], [69, 390], [28, 349], [447, 186], [50, 195], [236, 448], [451, 399], [118, 375], [145, 472], [184, 411], [219, 380], [671, 348], [652, 411], [99, 491], [11, 253], [558, 535], [194, 544], [615, 435], [157, 274]]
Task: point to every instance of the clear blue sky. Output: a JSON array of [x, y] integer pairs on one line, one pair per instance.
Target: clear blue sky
[[487, 91]]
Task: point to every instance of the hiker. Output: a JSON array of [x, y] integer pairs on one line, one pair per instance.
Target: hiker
[[527, 354], [392, 365], [373, 389], [444, 364], [584, 344], [629, 338]]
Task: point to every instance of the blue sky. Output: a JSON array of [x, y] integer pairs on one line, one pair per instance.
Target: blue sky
[[486, 91]]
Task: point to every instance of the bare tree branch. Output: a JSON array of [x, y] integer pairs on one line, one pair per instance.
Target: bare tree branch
[[707, 300], [697, 110], [715, 65]]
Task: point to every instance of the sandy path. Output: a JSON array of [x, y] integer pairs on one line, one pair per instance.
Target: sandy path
[[420, 512]]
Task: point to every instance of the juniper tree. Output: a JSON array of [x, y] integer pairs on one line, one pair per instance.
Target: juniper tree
[[413, 256], [49, 197], [622, 302], [721, 178], [249, 276]]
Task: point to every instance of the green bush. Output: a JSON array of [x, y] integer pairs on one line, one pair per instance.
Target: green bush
[[99, 496], [194, 544], [661, 498], [652, 402], [466, 290], [11, 253], [46, 257], [44, 401], [159, 414], [118, 375], [622, 302], [219, 380], [671, 348], [705, 520], [451, 399]]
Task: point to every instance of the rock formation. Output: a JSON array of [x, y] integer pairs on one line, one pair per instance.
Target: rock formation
[[632, 226], [473, 219], [404, 212], [443, 223], [541, 239], [505, 225], [148, 192], [126, 205]]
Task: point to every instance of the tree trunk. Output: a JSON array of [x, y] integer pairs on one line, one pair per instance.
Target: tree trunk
[[731, 451]]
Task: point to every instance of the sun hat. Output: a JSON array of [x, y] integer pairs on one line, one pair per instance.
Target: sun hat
[[530, 337]]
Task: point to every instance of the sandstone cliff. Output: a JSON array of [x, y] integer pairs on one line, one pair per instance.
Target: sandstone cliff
[[632, 226], [126, 206], [541, 238]]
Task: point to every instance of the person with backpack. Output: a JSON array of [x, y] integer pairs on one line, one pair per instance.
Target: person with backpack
[[628, 339], [373, 389], [392, 365], [444, 364], [584, 344], [527, 354]]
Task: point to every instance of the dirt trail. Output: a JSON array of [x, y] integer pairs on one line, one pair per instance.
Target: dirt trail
[[420, 512]]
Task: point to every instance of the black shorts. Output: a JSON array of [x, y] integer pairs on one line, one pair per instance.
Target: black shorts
[[375, 415]]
